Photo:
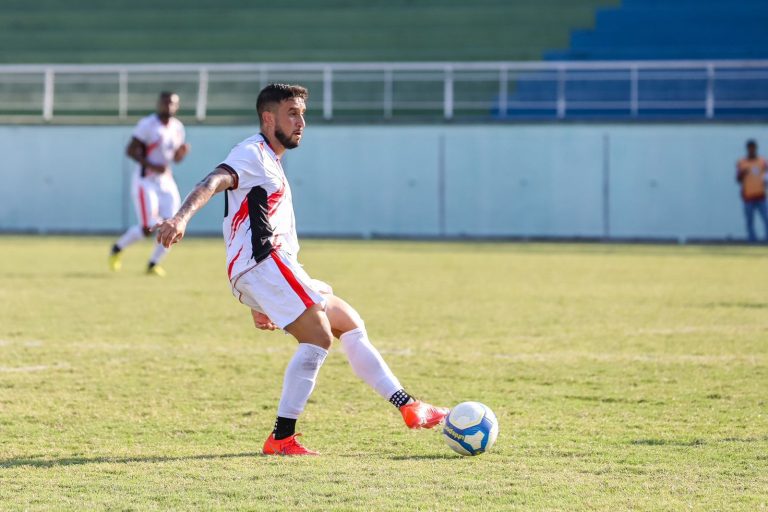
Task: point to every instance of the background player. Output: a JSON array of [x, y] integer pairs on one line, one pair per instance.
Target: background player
[[158, 140], [260, 233]]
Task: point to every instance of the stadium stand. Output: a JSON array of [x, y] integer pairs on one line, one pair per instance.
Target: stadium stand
[[143, 31], [648, 30], [683, 29], [251, 31]]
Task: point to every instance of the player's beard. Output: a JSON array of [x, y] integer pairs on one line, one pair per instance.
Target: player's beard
[[286, 141]]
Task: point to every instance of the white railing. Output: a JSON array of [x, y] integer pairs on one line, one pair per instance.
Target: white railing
[[395, 91]]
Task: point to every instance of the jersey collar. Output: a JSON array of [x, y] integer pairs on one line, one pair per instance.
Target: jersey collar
[[271, 149]]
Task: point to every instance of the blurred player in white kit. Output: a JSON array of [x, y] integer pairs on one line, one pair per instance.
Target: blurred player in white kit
[[158, 140]]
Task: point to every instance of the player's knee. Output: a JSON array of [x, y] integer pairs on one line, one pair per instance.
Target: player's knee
[[146, 230], [320, 336], [342, 316], [312, 327], [324, 340], [348, 323], [355, 320]]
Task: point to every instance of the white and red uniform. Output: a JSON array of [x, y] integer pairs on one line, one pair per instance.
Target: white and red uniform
[[155, 195], [260, 233]]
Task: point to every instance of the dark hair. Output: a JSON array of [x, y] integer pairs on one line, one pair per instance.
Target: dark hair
[[166, 94], [751, 142], [275, 93]]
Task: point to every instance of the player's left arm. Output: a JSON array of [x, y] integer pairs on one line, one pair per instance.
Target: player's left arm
[[181, 152], [184, 148], [172, 230]]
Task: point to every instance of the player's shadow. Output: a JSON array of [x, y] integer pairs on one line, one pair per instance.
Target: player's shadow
[[75, 461]]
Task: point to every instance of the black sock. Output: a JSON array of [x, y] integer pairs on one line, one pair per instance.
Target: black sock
[[284, 427], [115, 249], [400, 398], [151, 264]]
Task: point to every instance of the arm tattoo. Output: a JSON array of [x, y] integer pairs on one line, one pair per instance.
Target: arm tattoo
[[202, 193]]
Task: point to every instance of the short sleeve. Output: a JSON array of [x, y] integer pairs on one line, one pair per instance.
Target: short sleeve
[[141, 131], [246, 162]]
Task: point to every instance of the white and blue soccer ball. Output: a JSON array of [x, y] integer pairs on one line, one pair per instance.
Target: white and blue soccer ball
[[470, 428]]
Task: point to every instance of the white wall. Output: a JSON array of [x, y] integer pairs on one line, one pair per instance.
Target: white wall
[[660, 181]]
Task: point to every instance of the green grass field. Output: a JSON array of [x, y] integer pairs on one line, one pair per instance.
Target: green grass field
[[624, 378]]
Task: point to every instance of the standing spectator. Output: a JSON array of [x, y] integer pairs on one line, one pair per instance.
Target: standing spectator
[[750, 173]]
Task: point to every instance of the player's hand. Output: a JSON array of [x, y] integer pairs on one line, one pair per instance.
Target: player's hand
[[170, 231], [262, 321]]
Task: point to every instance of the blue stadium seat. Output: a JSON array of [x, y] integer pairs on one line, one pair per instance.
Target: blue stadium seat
[[685, 29], [650, 30]]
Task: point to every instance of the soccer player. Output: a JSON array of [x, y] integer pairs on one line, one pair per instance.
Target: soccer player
[[158, 140], [260, 235]]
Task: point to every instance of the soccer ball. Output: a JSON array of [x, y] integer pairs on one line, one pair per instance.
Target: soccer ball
[[470, 428]]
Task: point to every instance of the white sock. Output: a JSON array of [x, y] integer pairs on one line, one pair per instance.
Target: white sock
[[300, 378], [368, 364], [133, 235], [158, 254]]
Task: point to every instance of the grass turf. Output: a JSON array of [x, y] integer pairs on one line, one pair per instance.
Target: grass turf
[[624, 377]]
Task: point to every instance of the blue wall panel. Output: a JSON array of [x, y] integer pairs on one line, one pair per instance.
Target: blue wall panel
[[524, 181], [64, 178], [663, 181], [364, 180], [677, 181]]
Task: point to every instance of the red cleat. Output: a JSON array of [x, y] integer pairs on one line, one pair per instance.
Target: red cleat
[[420, 414], [287, 446]]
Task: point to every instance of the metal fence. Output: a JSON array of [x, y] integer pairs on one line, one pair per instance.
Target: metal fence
[[398, 92]]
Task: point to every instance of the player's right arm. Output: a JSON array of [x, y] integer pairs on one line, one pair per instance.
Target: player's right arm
[[137, 151], [172, 230]]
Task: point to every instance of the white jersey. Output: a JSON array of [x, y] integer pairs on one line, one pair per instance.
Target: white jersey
[[258, 212], [161, 141]]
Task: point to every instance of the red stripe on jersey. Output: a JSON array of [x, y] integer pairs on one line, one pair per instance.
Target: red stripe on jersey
[[239, 217], [273, 201], [151, 147], [295, 285], [143, 208], [232, 263]]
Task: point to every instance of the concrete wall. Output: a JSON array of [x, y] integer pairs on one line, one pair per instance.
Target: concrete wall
[[624, 181]]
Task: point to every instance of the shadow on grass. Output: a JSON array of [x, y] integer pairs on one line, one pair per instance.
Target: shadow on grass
[[608, 400], [668, 442], [66, 275], [87, 275], [76, 461], [436, 456], [740, 305]]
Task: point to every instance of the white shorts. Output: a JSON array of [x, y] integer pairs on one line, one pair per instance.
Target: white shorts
[[155, 200], [280, 288]]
